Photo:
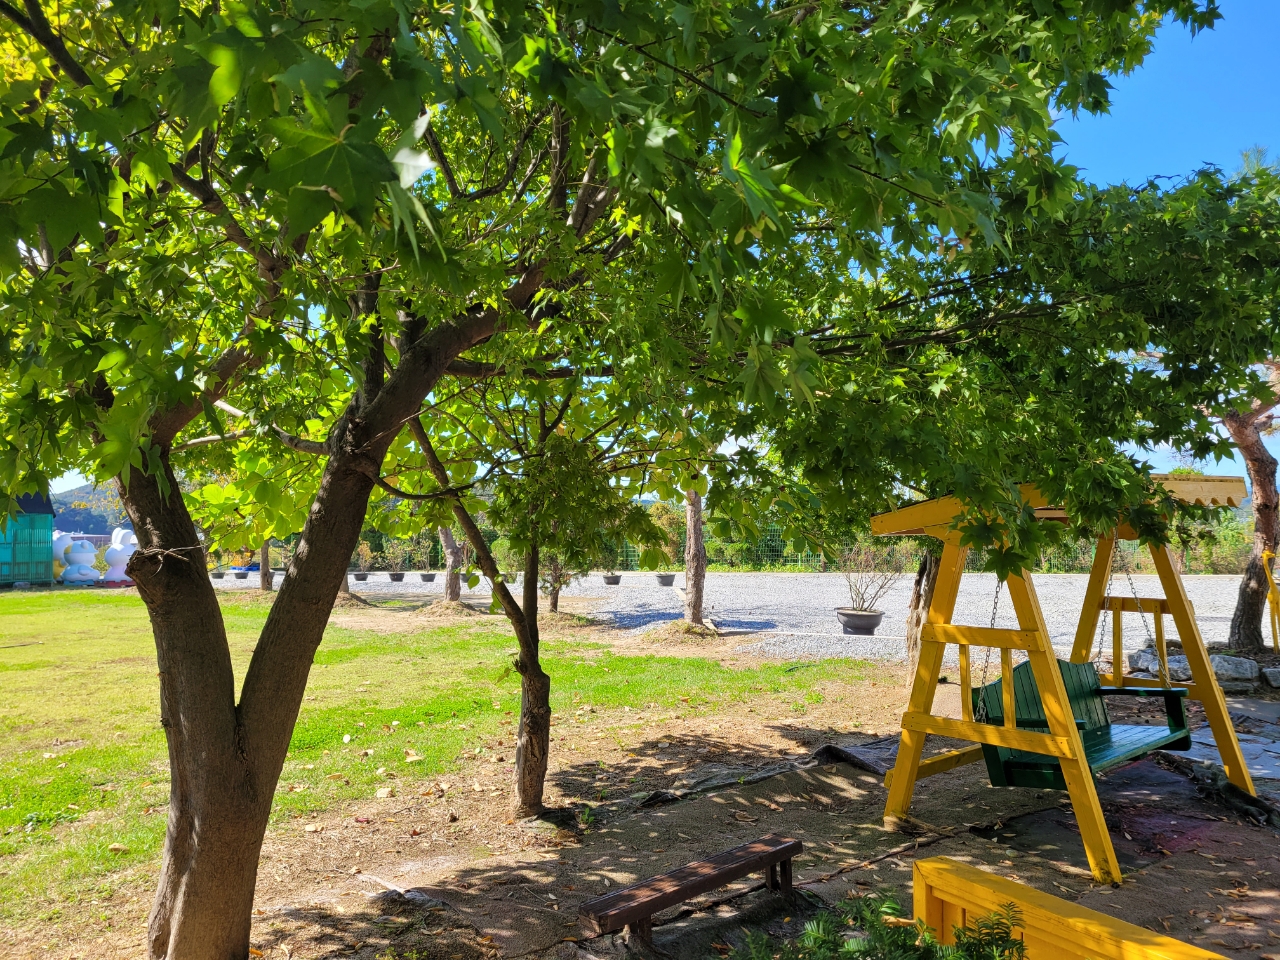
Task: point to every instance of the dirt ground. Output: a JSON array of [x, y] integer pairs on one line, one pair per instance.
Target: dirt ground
[[441, 871]]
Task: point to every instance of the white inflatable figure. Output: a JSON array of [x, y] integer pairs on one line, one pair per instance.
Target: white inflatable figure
[[123, 546], [61, 541], [80, 557]]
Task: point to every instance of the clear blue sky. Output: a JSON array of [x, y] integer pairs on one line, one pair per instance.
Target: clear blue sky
[[1196, 100]]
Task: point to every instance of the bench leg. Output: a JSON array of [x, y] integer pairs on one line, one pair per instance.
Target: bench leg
[[642, 930], [771, 877], [784, 870]]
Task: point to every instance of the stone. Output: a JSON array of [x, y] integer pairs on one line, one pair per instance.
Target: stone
[[1179, 669], [1144, 661], [1272, 676], [1237, 686], [1234, 668], [386, 793]]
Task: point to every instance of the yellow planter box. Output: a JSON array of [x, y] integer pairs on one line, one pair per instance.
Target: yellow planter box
[[951, 894]]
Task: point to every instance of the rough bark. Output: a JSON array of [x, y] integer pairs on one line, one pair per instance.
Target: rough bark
[[553, 599], [1246, 623], [533, 741], [695, 558], [453, 561], [265, 579], [225, 758], [918, 611]]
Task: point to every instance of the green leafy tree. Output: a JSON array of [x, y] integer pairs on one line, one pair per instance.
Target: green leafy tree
[[253, 237], [1133, 316], [566, 460]]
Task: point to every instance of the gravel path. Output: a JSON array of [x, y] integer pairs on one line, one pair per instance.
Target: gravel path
[[791, 615]]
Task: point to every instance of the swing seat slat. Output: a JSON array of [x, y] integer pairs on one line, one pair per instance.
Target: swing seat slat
[[1106, 744]]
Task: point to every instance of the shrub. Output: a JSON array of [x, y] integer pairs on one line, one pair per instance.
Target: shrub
[[873, 928]]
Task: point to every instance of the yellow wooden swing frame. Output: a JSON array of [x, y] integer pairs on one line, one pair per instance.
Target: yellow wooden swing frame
[[935, 518]]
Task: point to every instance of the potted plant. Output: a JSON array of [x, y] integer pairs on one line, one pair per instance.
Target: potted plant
[[607, 548], [424, 551], [869, 575], [397, 554], [217, 573], [666, 579], [364, 560]]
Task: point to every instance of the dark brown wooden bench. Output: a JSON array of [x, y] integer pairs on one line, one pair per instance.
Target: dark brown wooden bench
[[633, 907]]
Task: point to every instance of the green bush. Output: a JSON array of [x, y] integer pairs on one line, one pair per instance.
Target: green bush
[[872, 928]]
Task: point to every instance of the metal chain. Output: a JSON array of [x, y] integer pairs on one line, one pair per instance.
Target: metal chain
[[1151, 640], [1106, 609], [980, 712]]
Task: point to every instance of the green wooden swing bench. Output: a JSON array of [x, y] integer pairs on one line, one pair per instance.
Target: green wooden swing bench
[[1106, 744]]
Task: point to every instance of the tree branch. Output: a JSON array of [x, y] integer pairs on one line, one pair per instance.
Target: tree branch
[[436, 495], [212, 438], [37, 25], [270, 266], [483, 554], [477, 369], [288, 439]]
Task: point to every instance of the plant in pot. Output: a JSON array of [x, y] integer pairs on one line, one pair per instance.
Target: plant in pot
[[609, 553], [364, 560], [216, 556], [422, 550], [397, 556], [869, 575], [671, 522]]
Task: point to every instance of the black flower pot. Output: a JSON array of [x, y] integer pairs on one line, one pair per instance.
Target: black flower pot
[[666, 579], [362, 577], [862, 623], [427, 577], [613, 579], [241, 574], [397, 578], [218, 574]]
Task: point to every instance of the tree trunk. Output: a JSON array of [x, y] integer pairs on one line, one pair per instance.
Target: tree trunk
[[553, 599], [918, 611], [225, 758], [265, 580], [695, 558], [533, 737], [533, 741], [453, 562], [1246, 623]]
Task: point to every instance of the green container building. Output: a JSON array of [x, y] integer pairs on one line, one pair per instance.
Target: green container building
[[26, 543]]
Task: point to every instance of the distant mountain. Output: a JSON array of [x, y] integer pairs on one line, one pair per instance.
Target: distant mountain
[[88, 509]]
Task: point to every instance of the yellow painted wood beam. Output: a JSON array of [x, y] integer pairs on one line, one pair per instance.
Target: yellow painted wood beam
[[1062, 726], [1011, 737], [1210, 694], [943, 762], [948, 893], [925, 684], [1099, 574], [982, 636], [1207, 491], [1135, 604]]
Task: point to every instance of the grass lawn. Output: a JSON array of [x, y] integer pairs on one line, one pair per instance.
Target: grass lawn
[[83, 769]]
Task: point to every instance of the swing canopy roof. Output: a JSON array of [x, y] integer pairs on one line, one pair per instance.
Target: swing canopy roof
[[934, 517]]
